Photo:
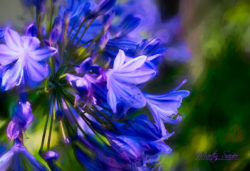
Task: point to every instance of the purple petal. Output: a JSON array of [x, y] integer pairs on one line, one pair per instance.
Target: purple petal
[[51, 155], [43, 54], [32, 30], [164, 106], [30, 43], [24, 115], [13, 76], [139, 76], [12, 39], [129, 147], [84, 125], [163, 148], [178, 52], [6, 160], [125, 93], [133, 64], [33, 70], [112, 100], [7, 55], [13, 130]]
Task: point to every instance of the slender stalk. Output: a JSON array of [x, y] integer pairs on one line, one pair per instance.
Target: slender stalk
[[62, 130], [78, 30], [44, 133], [51, 126], [51, 15], [85, 30], [71, 113]]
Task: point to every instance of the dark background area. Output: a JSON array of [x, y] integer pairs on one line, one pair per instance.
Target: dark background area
[[216, 115]]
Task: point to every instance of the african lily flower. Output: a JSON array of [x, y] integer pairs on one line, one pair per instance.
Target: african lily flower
[[94, 73], [123, 79], [22, 60]]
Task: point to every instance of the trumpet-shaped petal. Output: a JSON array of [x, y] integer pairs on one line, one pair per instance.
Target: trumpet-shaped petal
[[123, 79], [165, 106]]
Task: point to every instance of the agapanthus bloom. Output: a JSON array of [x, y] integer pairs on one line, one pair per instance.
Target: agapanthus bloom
[[94, 85], [123, 79], [22, 59]]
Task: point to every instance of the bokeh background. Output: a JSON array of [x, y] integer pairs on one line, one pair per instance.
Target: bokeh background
[[216, 116]]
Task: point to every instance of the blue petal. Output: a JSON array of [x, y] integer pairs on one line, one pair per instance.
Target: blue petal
[[33, 72], [30, 43], [130, 95], [13, 76], [1, 33], [127, 25], [164, 106], [18, 158], [32, 30], [42, 54], [23, 115], [128, 147], [139, 76], [14, 130], [178, 52]]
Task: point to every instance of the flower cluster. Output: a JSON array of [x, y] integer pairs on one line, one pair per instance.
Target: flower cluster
[[91, 62]]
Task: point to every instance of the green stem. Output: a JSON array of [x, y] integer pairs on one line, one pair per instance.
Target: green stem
[[51, 126]]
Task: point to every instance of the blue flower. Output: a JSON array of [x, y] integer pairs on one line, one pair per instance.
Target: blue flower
[[164, 107], [21, 120], [123, 79], [18, 158], [23, 60]]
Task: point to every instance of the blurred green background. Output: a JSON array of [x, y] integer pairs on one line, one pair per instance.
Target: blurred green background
[[216, 116]]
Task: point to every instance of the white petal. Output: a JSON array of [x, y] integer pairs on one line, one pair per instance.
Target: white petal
[[137, 77], [112, 100], [119, 60], [133, 64]]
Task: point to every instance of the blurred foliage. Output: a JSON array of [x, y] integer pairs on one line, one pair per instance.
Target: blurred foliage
[[217, 112]]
